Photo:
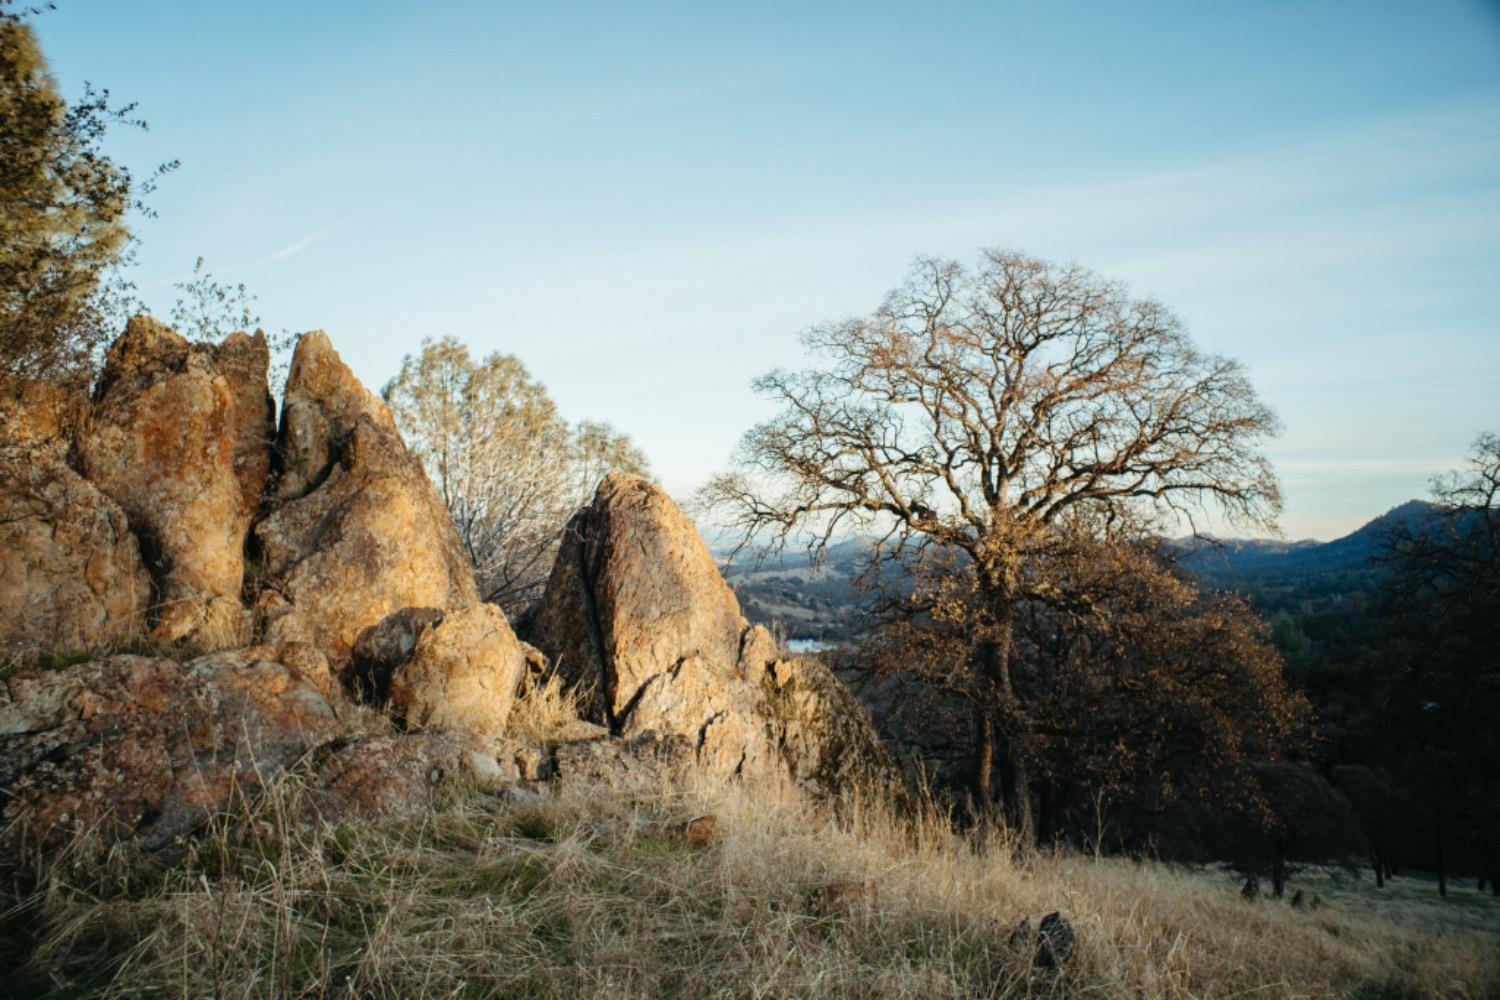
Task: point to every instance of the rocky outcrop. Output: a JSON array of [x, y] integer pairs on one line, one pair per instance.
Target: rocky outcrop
[[636, 609], [180, 438], [385, 776], [71, 577], [463, 674], [322, 405], [143, 748], [359, 578], [357, 531]]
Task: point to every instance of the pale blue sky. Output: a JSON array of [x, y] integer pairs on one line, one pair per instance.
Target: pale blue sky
[[647, 202]]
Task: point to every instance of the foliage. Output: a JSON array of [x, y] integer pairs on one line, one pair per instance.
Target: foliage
[[509, 468], [1392, 633], [63, 211], [1441, 610], [1304, 819], [1136, 693], [989, 414], [207, 311]]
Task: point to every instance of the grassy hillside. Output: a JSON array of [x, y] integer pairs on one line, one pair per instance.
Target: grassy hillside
[[588, 893]]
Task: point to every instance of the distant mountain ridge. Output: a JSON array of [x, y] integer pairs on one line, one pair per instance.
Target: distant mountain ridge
[[818, 601], [1233, 563]]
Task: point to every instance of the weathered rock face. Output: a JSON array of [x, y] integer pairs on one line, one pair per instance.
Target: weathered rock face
[[71, 578], [359, 531], [462, 675], [635, 608], [143, 748], [635, 594], [180, 438], [37, 417], [323, 403], [403, 775], [640, 765]]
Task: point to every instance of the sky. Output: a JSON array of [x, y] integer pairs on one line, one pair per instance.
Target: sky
[[648, 202]]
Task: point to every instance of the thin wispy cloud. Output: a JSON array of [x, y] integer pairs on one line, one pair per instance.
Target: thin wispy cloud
[[295, 248]]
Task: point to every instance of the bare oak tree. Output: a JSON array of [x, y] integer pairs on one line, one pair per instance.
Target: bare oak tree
[[986, 411]]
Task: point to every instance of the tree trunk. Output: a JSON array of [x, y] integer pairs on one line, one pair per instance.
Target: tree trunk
[[1016, 788], [1046, 821], [1278, 877], [984, 764], [1379, 868], [1018, 806], [1442, 861]]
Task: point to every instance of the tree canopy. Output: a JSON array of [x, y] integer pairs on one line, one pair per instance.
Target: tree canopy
[[63, 210], [991, 412]]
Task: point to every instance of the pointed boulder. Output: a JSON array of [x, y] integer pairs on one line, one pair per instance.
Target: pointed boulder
[[357, 530], [635, 610], [180, 438]]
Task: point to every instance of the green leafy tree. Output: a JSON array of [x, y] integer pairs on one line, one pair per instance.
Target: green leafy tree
[[509, 468], [63, 217]]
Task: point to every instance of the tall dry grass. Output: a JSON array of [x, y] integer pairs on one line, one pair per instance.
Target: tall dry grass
[[586, 893]]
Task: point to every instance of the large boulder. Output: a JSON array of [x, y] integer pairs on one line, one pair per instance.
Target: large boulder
[[144, 748], [71, 579], [635, 610], [633, 597], [645, 764], [462, 675], [357, 530], [180, 438]]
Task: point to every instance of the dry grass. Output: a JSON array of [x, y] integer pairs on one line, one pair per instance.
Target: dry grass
[[582, 893], [547, 709]]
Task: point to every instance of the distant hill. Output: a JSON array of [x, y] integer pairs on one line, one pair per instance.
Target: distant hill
[[820, 601], [812, 600], [1259, 567]]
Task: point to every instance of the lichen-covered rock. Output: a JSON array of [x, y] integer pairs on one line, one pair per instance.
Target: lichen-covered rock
[[384, 776], [635, 609], [644, 764], [144, 748], [1055, 941], [462, 675], [302, 659], [38, 417], [71, 575], [322, 404], [358, 531], [180, 438], [822, 731]]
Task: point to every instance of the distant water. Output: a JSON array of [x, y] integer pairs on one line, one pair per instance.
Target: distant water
[[807, 645]]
